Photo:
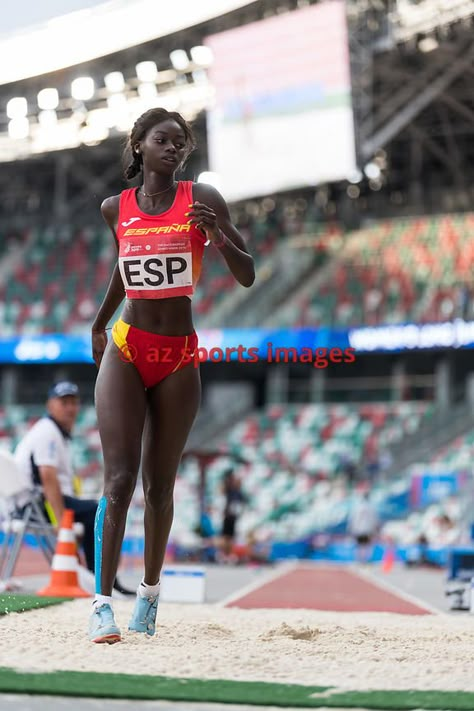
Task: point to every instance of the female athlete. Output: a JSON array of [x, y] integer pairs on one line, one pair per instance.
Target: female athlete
[[148, 389]]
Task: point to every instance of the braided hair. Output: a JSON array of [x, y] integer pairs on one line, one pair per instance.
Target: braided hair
[[140, 129]]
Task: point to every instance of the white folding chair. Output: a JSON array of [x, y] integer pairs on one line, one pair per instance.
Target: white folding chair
[[21, 512]]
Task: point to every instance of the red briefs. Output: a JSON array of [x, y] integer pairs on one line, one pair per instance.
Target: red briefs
[[154, 356]]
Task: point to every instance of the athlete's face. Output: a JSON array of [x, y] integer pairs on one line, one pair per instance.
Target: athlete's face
[[164, 147], [64, 410]]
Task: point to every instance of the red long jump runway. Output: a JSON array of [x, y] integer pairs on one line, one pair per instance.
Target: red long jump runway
[[328, 589], [31, 561]]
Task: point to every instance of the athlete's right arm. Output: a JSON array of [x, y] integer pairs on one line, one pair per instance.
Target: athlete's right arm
[[115, 291]]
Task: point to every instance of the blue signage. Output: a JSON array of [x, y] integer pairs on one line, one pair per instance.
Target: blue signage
[[319, 346], [411, 336], [430, 488]]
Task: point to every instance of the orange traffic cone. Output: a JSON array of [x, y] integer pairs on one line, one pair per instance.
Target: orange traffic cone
[[64, 577], [388, 559]]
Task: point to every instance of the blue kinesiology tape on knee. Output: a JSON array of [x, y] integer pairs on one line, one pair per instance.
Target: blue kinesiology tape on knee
[[98, 540]]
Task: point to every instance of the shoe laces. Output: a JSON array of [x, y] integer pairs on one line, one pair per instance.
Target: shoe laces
[[103, 610], [152, 603]]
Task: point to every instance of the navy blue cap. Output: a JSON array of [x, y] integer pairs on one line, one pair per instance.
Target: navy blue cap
[[63, 389]]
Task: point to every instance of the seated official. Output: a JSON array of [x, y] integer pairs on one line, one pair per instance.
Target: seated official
[[44, 454]]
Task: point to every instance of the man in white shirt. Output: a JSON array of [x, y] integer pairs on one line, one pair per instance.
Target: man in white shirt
[[363, 525], [44, 455]]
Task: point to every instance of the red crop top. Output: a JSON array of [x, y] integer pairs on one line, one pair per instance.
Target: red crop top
[[159, 255]]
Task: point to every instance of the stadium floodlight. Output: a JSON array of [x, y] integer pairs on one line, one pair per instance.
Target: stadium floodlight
[[170, 101], [117, 103], [146, 71], [147, 91], [82, 88], [202, 55], [179, 59], [119, 112], [375, 184], [17, 108], [19, 128], [353, 191], [210, 178], [93, 135], [114, 82], [200, 76], [47, 119], [48, 99], [355, 177], [372, 171], [99, 119], [427, 44]]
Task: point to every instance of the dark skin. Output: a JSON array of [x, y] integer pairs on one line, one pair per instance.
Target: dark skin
[[152, 425]]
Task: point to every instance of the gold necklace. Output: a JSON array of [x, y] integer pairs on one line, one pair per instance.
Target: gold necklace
[[159, 193]]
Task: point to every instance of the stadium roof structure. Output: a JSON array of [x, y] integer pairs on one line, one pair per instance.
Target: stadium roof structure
[[98, 30], [19, 17], [412, 73], [62, 92], [412, 67]]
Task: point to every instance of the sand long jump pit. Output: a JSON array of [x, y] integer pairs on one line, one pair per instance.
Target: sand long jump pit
[[276, 656]]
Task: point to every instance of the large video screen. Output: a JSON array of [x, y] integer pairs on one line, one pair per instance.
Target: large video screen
[[282, 117]]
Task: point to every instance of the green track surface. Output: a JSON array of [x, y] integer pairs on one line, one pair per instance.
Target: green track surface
[[128, 686], [22, 603]]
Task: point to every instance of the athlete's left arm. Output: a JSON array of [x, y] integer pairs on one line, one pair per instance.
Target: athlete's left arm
[[210, 212]]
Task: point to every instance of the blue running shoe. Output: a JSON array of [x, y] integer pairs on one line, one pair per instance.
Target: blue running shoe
[[144, 615], [102, 627]]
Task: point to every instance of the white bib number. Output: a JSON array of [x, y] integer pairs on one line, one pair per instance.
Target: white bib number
[[156, 271]]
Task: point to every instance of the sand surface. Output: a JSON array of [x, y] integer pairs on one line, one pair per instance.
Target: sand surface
[[347, 650]]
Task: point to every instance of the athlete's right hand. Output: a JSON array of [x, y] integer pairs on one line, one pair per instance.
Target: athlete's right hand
[[99, 343]]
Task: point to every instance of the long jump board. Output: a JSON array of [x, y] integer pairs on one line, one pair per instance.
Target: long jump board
[[330, 589]]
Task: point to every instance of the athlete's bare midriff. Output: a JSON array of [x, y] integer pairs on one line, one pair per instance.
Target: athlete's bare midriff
[[166, 317]]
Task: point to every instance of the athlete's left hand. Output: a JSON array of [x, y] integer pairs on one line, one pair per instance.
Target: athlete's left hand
[[99, 344], [205, 219]]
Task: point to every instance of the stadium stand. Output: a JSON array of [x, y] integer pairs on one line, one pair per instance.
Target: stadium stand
[[59, 265], [394, 271], [317, 438], [290, 450], [61, 279]]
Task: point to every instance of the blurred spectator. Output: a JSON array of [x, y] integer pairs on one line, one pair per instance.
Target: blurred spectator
[[348, 468], [207, 533], [372, 468], [448, 532], [363, 525], [235, 500], [385, 460], [463, 299], [417, 554], [254, 551]]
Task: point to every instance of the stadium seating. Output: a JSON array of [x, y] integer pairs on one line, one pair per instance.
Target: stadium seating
[[395, 271], [458, 454], [62, 278], [59, 282], [440, 524], [292, 461], [391, 272]]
